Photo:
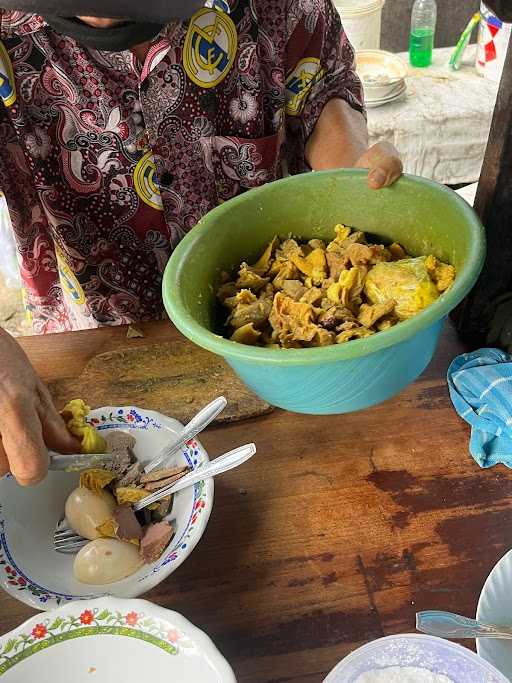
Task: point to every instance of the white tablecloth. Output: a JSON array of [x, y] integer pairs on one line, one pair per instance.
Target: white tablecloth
[[441, 127], [468, 193]]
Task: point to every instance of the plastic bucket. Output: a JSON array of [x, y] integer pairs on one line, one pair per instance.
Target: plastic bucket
[[493, 40], [423, 216], [362, 21]]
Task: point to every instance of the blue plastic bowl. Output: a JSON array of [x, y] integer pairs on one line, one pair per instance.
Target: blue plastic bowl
[[423, 216]]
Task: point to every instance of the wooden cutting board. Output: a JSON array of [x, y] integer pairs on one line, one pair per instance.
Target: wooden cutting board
[[175, 378]]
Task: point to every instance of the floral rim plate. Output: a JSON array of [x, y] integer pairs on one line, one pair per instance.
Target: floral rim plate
[[495, 606], [34, 573], [111, 640]]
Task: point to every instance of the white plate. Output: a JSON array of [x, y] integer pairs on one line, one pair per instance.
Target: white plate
[[129, 641], [372, 104], [495, 606], [31, 571]]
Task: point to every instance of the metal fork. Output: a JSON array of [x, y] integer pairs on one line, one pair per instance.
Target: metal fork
[[65, 540]]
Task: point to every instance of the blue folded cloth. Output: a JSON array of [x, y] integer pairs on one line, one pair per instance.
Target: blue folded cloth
[[481, 391]]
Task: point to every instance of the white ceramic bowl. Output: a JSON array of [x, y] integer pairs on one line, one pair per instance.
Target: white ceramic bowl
[[132, 641], [31, 571], [382, 73]]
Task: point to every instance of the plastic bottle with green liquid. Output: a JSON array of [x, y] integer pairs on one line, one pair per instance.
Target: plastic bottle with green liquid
[[423, 28]]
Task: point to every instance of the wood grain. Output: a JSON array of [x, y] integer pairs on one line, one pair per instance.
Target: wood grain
[[336, 533], [175, 378]]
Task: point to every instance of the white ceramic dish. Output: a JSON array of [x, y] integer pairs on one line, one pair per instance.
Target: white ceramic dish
[[132, 641], [436, 655], [495, 606], [395, 97], [31, 571], [381, 73]]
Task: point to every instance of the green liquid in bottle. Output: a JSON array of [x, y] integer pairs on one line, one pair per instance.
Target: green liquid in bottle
[[421, 45]]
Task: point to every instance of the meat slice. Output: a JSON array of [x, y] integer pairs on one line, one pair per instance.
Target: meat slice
[[157, 475], [122, 460], [155, 540], [157, 485], [128, 524], [120, 444], [131, 476], [337, 263], [163, 509]]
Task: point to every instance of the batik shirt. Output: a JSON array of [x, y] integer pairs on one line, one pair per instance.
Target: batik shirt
[[106, 163]]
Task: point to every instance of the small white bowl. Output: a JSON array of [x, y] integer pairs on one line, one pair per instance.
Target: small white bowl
[[31, 571], [108, 639], [382, 73]]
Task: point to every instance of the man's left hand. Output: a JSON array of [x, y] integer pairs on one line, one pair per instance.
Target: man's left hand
[[383, 164]]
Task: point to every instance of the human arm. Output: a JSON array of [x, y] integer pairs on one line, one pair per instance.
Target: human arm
[[331, 114], [340, 140], [29, 422]]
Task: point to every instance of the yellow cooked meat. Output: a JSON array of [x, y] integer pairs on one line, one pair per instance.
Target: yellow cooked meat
[[317, 294], [75, 416], [406, 282]]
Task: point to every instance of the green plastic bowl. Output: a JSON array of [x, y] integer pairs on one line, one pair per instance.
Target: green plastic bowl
[[423, 216]]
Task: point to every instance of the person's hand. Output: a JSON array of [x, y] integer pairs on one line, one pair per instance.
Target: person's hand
[[29, 422], [383, 163]]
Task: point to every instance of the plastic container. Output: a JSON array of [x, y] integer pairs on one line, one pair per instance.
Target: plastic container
[[438, 656], [493, 40], [423, 216], [362, 20], [423, 29], [8, 259]]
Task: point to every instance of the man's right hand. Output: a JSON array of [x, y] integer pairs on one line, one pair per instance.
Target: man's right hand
[[29, 422]]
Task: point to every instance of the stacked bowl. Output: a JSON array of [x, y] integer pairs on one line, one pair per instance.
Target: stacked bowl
[[383, 75]]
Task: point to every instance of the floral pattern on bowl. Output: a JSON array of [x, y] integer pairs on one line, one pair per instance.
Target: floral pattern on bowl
[[167, 642], [42, 578]]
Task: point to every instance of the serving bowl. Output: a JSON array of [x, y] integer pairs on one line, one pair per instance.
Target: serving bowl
[[438, 656], [423, 216], [31, 571], [111, 640]]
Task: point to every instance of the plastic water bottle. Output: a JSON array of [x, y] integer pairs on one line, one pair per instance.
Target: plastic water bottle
[[423, 28]]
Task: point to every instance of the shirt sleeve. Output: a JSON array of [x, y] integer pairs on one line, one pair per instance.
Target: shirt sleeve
[[320, 62]]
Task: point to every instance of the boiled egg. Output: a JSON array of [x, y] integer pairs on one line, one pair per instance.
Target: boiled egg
[[106, 560], [85, 510]]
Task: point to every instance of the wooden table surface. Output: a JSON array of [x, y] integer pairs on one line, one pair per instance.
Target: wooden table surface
[[335, 534]]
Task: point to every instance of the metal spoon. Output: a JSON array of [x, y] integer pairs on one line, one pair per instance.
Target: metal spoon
[[196, 425], [222, 464], [449, 625]]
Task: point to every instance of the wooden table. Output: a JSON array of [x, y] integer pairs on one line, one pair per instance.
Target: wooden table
[[336, 533]]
